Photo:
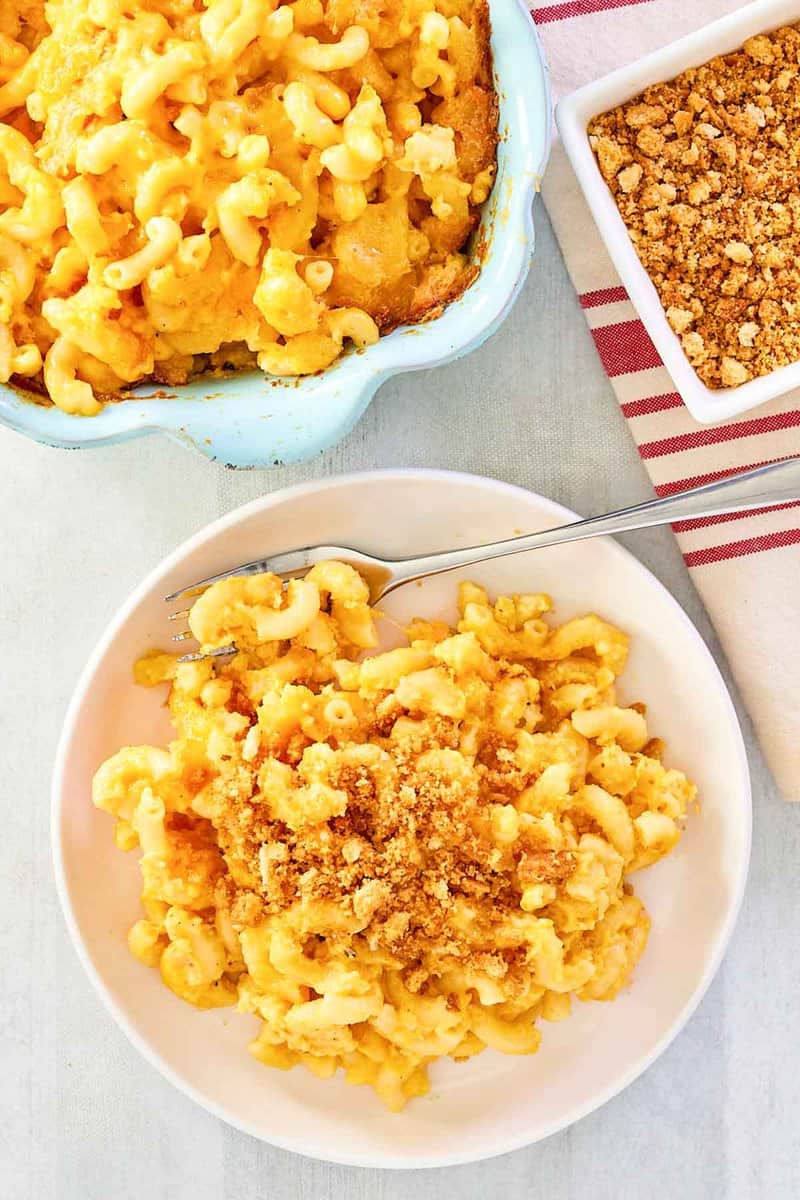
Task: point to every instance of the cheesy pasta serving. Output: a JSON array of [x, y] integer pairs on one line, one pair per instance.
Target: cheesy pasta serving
[[200, 184], [388, 858]]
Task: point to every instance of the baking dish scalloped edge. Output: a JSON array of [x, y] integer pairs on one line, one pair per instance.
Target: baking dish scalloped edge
[[246, 420]]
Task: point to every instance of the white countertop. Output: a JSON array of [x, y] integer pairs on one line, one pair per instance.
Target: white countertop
[[82, 1117]]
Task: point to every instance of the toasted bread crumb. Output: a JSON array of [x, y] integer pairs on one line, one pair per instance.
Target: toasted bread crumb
[[704, 171]]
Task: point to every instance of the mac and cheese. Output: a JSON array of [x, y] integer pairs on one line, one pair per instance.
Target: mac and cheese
[[189, 186], [388, 858]]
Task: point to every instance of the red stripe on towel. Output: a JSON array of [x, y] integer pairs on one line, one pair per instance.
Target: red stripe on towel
[[721, 518], [578, 8], [720, 433], [625, 347], [652, 404], [604, 296], [754, 545], [683, 485]]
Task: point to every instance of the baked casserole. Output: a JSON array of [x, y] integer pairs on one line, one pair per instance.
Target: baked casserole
[[193, 186]]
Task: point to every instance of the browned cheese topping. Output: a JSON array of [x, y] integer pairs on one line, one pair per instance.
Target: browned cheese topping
[[408, 842]]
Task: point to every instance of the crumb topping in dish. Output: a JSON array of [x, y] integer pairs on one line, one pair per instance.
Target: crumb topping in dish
[[704, 171]]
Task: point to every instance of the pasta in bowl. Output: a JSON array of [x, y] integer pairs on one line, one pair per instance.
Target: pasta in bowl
[[490, 1102], [189, 190], [399, 857]]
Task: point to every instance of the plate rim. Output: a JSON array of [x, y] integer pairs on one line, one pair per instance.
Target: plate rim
[[304, 1145]]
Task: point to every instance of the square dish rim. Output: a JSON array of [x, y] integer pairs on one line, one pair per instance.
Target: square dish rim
[[573, 115]]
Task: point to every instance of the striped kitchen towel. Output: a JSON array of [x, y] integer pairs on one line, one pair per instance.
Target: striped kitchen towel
[[747, 569]]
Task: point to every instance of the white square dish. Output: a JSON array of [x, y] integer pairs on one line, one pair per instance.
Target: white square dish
[[573, 115]]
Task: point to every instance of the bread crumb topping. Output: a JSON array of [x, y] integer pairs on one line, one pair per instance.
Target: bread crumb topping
[[704, 171]]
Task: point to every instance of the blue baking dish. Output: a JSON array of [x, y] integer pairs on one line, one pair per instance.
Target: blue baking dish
[[247, 420]]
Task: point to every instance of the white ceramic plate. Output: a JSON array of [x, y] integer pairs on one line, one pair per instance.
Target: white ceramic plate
[[573, 115], [492, 1103]]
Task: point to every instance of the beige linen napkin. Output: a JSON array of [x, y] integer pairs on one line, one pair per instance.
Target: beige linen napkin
[[747, 569]]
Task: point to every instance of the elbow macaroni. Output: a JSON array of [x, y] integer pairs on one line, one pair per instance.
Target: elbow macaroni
[[392, 858], [193, 186]]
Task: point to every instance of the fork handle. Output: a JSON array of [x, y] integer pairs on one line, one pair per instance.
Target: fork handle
[[776, 483]]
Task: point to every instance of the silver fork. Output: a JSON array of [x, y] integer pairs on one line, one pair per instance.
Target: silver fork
[[773, 484]]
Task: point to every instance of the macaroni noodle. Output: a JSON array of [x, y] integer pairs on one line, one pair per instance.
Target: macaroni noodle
[[193, 186], [395, 857]]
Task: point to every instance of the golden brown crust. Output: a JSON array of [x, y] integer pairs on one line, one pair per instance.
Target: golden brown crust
[[421, 293], [483, 28], [427, 71], [472, 114], [546, 866]]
